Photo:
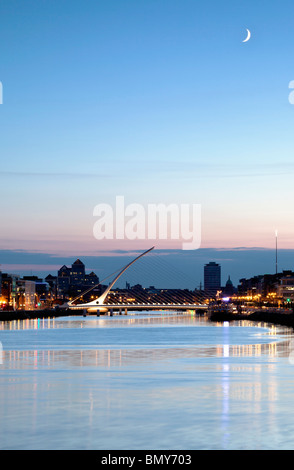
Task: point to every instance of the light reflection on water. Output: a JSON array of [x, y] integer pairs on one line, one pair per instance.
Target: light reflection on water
[[145, 381], [124, 357]]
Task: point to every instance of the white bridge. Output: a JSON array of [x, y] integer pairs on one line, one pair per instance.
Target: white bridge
[[99, 306]]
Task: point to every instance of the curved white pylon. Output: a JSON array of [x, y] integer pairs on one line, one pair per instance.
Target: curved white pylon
[[102, 297]]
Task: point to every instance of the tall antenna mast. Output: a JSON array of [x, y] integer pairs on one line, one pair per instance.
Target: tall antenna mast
[[276, 252]]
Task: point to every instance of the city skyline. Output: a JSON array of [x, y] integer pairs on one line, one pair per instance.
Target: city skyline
[[159, 102], [174, 268], [72, 285]]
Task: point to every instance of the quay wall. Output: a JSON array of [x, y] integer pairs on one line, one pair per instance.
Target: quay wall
[[30, 314], [276, 318]]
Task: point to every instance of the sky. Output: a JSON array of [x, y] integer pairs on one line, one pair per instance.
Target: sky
[[158, 101]]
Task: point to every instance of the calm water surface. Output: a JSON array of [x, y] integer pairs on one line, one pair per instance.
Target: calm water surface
[[160, 381]]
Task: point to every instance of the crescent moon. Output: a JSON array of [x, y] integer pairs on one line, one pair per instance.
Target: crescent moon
[[248, 36]]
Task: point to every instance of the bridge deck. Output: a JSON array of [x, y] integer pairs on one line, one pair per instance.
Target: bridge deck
[[143, 307]]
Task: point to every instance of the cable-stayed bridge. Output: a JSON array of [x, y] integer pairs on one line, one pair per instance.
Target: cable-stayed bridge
[[138, 298]]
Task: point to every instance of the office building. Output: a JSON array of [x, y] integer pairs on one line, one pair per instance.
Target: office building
[[212, 277]]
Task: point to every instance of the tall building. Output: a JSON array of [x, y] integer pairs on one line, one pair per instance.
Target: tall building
[[8, 290], [77, 273], [71, 282], [30, 294], [63, 281], [212, 277]]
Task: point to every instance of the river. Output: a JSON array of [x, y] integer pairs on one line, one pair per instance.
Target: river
[[145, 381]]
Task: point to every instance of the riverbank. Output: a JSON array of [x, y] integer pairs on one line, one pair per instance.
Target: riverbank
[[276, 318], [31, 314]]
